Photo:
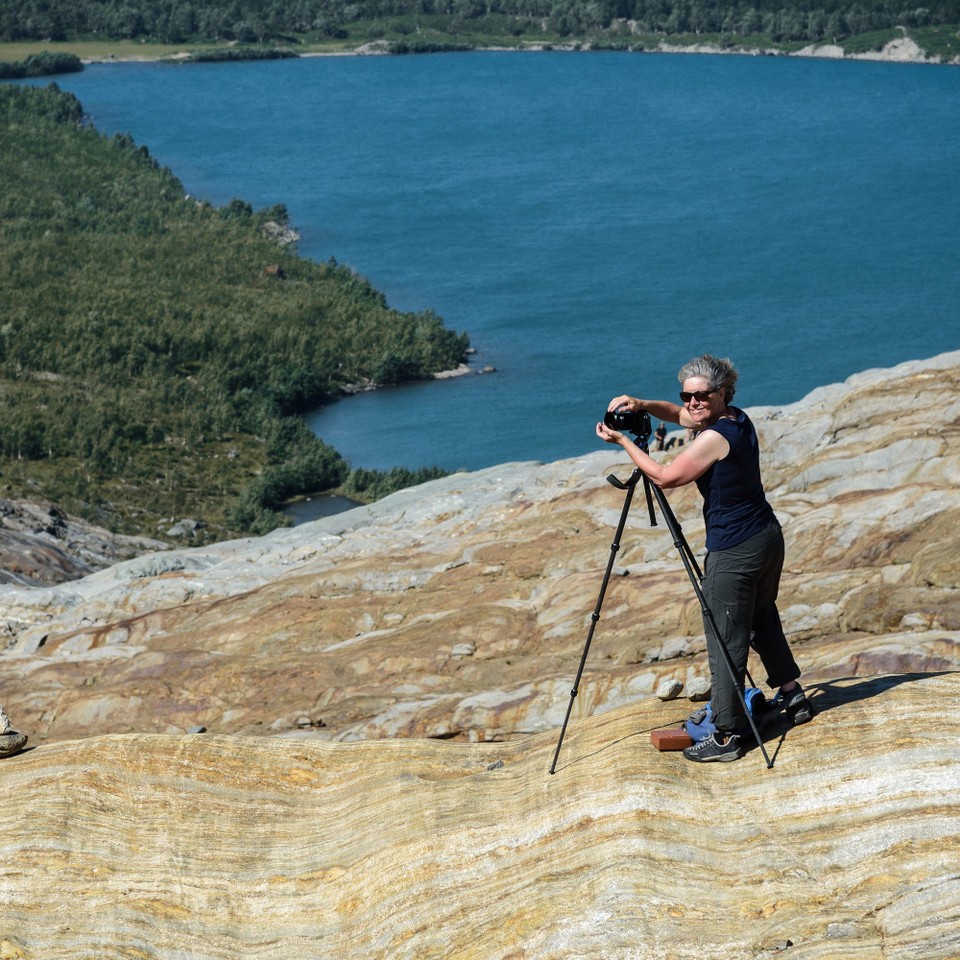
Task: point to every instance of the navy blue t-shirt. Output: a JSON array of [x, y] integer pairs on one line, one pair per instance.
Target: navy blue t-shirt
[[734, 505]]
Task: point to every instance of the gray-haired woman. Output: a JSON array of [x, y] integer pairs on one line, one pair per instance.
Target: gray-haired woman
[[744, 541]]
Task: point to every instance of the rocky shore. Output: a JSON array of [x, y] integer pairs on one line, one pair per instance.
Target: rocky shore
[[901, 50]]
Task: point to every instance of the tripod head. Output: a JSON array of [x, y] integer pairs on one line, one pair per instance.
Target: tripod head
[[637, 423], [631, 482]]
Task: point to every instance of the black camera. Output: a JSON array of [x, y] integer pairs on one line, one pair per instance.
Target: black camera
[[636, 421]]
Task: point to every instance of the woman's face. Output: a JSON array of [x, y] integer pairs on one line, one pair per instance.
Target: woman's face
[[704, 405]]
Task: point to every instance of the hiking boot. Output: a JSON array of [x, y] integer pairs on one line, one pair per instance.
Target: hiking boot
[[712, 749], [796, 705]]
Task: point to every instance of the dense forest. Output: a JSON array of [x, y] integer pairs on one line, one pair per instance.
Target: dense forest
[[296, 21], [156, 352]]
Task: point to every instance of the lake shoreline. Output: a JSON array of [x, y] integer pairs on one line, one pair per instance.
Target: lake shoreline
[[902, 50]]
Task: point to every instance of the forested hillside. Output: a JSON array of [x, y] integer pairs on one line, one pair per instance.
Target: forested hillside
[[298, 21], [156, 352]]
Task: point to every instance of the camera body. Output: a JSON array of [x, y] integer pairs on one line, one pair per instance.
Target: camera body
[[636, 421]]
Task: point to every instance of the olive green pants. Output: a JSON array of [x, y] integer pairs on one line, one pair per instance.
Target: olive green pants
[[740, 586]]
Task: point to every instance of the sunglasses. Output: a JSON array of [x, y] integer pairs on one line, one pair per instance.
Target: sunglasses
[[700, 395]]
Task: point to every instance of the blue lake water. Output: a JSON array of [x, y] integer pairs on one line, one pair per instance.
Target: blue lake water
[[591, 220]]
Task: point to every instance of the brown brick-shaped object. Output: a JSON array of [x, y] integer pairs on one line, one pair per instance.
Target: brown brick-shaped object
[[671, 739]]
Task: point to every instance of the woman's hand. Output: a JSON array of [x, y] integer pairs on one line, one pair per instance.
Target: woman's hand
[[630, 404], [609, 436]]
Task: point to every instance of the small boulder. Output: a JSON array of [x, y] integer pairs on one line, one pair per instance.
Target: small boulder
[[11, 743], [669, 689], [187, 527], [698, 689]]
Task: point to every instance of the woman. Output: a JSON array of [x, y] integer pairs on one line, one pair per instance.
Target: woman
[[744, 541]]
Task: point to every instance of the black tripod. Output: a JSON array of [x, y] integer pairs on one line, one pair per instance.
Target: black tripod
[[693, 571]]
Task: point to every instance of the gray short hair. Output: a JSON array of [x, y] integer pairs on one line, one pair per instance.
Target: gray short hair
[[720, 374]]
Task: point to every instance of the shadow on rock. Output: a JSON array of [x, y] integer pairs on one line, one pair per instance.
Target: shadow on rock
[[830, 694]]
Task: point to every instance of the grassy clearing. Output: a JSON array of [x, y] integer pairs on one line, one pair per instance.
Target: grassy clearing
[[942, 41], [96, 49]]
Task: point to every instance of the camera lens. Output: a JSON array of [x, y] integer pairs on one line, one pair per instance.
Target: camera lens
[[636, 422]]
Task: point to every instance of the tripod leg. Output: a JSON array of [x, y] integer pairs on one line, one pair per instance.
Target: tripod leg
[[629, 486], [690, 565]]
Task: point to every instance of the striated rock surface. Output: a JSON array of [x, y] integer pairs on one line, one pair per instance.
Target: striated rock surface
[[215, 848], [459, 609], [314, 821]]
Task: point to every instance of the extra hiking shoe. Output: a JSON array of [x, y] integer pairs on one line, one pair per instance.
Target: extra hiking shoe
[[796, 706], [710, 749]]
